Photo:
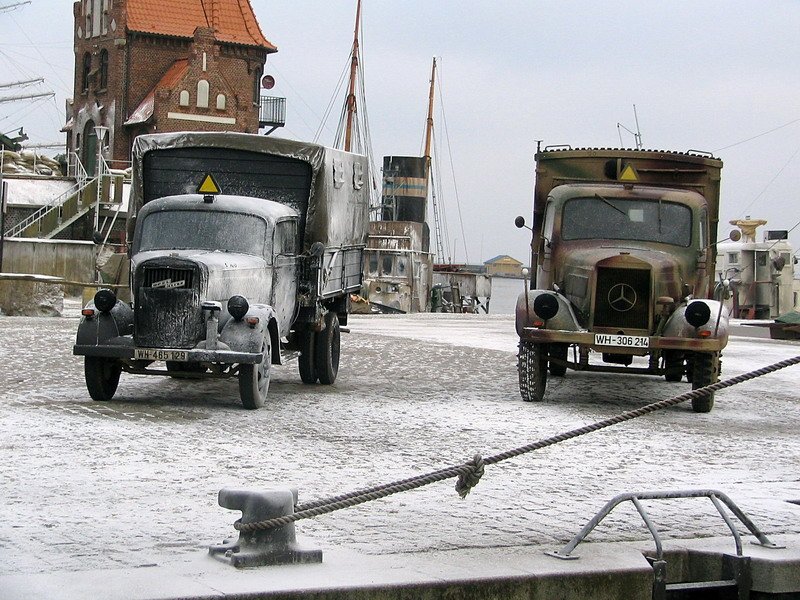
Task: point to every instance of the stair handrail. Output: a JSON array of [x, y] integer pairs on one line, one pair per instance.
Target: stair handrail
[[82, 180]]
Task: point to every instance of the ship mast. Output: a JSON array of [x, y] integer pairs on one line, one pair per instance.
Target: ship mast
[[429, 126], [351, 94]]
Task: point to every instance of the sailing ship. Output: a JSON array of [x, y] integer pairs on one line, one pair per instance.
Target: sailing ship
[[399, 271]]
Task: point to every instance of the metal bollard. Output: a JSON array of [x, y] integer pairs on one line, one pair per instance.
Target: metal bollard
[[276, 546]]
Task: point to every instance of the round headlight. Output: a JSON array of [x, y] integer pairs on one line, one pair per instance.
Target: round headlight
[[238, 307], [697, 313], [105, 300], [546, 306]]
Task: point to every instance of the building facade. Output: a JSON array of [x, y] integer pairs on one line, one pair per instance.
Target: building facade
[[503, 266], [144, 66]]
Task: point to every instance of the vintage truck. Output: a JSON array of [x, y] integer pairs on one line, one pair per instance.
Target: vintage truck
[[244, 250], [622, 266]]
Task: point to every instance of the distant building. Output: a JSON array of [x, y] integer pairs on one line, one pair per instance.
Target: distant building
[[503, 266], [144, 66]]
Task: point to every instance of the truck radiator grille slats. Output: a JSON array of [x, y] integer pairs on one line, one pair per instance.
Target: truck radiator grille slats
[[170, 318], [622, 298], [168, 313], [167, 278]]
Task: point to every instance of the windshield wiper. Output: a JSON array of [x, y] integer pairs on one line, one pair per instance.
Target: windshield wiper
[[616, 208]]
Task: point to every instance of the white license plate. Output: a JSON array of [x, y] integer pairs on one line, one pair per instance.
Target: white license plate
[[617, 339], [158, 354]]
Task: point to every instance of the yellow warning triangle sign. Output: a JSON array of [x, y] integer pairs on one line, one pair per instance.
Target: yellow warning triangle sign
[[628, 174], [209, 186]]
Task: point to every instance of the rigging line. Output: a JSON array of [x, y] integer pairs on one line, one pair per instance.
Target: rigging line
[[332, 101], [452, 168], [758, 136], [437, 182], [39, 52], [761, 193], [310, 127]]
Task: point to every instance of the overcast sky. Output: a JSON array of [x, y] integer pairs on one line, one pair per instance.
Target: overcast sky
[[703, 75]]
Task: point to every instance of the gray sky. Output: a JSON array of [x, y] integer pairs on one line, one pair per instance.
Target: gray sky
[[703, 75]]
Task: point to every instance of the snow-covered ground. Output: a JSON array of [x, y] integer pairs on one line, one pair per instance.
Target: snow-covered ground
[[134, 481]]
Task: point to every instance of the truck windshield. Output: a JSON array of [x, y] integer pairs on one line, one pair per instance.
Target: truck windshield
[[203, 230], [599, 217]]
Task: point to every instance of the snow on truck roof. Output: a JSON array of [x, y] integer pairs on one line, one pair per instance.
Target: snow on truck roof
[[261, 207]]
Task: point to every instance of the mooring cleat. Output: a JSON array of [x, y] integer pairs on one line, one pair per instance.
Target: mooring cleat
[[276, 546]]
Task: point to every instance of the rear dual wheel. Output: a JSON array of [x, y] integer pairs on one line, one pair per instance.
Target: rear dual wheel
[[320, 352]]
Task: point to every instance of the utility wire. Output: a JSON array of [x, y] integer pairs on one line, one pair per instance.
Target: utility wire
[[750, 139]]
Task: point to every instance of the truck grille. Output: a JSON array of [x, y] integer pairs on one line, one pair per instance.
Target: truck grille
[[167, 278], [168, 313], [622, 298]]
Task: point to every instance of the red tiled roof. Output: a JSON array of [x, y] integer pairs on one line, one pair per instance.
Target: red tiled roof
[[232, 20]]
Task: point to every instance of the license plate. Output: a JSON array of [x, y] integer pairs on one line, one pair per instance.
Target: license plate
[[617, 339], [158, 354]]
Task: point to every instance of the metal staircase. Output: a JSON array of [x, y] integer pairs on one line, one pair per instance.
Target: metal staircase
[[86, 194]]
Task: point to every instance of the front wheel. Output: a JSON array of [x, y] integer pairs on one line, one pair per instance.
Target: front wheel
[[673, 365], [532, 367], [102, 377], [326, 353], [705, 371], [254, 378]]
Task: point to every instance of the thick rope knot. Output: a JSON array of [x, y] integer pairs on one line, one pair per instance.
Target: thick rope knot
[[470, 476]]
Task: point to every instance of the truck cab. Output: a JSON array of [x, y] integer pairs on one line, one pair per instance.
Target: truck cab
[[624, 267]]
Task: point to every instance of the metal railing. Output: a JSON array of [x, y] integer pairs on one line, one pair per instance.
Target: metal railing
[[272, 112]]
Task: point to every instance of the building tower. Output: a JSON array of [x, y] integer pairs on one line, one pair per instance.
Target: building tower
[[144, 66]]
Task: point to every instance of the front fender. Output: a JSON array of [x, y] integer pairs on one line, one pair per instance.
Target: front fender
[[716, 328], [102, 327], [240, 336], [564, 319]]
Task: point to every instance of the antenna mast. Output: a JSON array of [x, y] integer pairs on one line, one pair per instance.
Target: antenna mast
[[351, 94]]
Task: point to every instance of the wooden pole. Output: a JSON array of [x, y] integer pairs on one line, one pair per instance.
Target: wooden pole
[[351, 94]]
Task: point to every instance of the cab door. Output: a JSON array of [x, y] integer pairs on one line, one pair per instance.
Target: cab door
[[284, 283]]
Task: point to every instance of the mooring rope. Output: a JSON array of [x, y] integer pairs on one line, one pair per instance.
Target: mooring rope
[[470, 473]]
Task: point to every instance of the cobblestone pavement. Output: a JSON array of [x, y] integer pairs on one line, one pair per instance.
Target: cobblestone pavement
[[134, 482]]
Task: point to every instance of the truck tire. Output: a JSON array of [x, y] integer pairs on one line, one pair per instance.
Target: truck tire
[[254, 378], [705, 371], [102, 377], [305, 362], [673, 365], [326, 352], [532, 367], [560, 351]]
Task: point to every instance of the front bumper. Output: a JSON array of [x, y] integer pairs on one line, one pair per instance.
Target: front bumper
[[123, 347], [586, 339]]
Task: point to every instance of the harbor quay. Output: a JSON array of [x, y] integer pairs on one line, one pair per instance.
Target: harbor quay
[[120, 499]]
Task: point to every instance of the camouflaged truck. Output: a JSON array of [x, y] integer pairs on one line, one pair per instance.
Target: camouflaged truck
[[622, 268], [244, 251]]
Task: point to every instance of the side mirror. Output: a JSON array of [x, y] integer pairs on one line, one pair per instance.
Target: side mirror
[[735, 235], [519, 222]]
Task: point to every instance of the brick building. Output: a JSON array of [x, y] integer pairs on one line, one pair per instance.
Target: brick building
[[144, 66]]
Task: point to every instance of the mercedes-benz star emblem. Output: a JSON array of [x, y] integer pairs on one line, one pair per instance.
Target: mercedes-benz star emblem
[[622, 297]]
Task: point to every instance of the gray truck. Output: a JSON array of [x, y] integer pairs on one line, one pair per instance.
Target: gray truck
[[244, 250], [623, 254]]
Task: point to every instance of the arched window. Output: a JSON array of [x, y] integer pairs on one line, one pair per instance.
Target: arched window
[[87, 67], [103, 69], [202, 94], [221, 101], [184, 98]]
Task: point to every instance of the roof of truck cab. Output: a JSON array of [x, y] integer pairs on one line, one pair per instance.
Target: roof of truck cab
[[617, 191], [267, 209]]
